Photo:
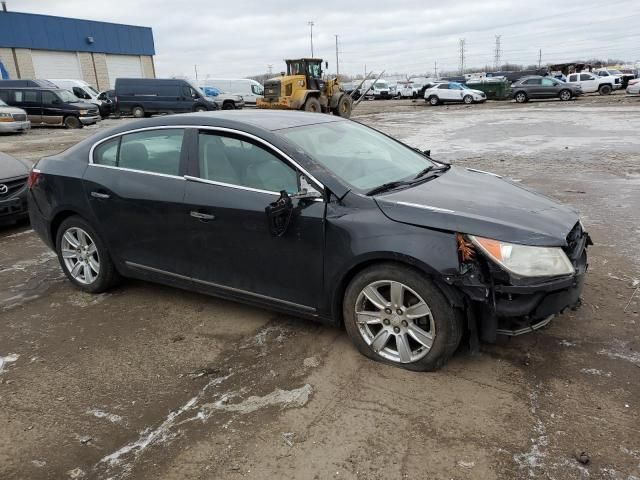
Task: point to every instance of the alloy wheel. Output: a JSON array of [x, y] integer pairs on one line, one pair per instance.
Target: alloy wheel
[[565, 95], [80, 255], [395, 321]]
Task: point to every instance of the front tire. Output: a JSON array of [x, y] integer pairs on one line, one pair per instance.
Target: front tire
[[604, 90], [565, 95], [395, 315], [84, 257], [72, 122], [521, 97], [468, 99], [434, 101], [344, 107], [228, 106]]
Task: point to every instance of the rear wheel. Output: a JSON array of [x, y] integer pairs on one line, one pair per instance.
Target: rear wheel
[[396, 315], [84, 257], [137, 112], [312, 105], [343, 109], [565, 95], [433, 100], [521, 97], [72, 122], [604, 90], [468, 99]]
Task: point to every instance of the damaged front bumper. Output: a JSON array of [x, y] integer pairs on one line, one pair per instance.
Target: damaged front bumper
[[497, 304]]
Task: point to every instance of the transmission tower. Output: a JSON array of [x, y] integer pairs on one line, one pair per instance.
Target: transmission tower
[[497, 53], [462, 52]]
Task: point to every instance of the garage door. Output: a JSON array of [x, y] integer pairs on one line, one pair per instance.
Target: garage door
[[56, 64], [123, 66]]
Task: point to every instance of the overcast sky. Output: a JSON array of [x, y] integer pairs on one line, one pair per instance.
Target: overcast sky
[[240, 38]]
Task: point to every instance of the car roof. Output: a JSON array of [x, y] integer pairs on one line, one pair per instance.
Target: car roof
[[270, 120]]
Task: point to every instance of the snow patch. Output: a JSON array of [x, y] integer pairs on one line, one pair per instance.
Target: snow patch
[[112, 417], [620, 350], [286, 398], [12, 357], [534, 458]]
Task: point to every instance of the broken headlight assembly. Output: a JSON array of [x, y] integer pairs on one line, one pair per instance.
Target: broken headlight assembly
[[525, 260]]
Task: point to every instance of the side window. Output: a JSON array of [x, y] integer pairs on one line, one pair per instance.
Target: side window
[[585, 76], [107, 153], [186, 91], [229, 160], [573, 78], [26, 96], [443, 86], [49, 98], [156, 151], [80, 93], [256, 90], [547, 82]]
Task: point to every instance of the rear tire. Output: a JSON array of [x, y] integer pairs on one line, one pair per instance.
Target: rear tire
[[521, 97], [422, 312], [72, 122], [344, 107], [312, 105], [604, 89], [73, 229], [137, 112]]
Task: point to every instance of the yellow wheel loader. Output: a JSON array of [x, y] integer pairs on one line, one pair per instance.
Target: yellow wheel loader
[[303, 88]]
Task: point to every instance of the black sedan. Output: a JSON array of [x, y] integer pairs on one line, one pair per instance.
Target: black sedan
[[316, 216], [13, 189], [536, 87]]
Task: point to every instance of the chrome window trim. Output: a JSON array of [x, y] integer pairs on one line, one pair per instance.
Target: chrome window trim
[[177, 177], [230, 185], [216, 285], [255, 138]]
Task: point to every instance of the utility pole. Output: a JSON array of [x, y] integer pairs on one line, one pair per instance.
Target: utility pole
[[195, 67], [497, 53], [270, 68], [462, 52], [310, 23], [435, 69], [540, 58], [337, 64]]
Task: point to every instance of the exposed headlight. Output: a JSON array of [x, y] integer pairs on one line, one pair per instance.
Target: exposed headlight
[[6, 115], [525, 260], [84, 112]]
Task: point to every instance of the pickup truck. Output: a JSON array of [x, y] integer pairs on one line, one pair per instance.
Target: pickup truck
[[592, 83]]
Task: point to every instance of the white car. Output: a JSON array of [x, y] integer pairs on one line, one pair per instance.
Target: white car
[[613, 75], [450, 92], [592, 83], [411, 90], [13, 119], [634, 87]]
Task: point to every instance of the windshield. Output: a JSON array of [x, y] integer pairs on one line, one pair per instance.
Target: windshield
[[615, 72], [381, 85], [91, 89], [67, 96], [2, 104], [359, 156]]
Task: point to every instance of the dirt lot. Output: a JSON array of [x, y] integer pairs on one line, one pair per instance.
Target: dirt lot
[[150, 382]]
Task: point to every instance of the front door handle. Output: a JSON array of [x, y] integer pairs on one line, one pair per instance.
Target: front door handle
[[202, 216], [102, 196]]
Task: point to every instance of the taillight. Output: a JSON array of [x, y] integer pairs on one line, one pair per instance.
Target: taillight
[[33, 177]]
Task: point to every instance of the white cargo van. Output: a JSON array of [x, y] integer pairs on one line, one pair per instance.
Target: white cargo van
[[248, 89], [83, 91]]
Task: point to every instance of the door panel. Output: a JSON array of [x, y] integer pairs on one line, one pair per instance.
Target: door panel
[[235, 248]]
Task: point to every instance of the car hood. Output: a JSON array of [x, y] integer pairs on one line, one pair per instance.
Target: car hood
[[483, 204], [84, 105], [11, 110], [11, 167], [477, 92]]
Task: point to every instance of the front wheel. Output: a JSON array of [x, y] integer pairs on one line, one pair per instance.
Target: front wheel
[[433, 101], [343, 109], [565, 95], [84, 257], [468, 99], [395, 315], [604, 90], [72, 122]]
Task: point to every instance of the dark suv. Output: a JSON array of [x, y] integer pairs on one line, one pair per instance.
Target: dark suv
[[535, 87], [50, 106]]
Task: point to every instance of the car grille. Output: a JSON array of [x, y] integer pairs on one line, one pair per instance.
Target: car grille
[[19, 117], [12, 187], [92, 111]]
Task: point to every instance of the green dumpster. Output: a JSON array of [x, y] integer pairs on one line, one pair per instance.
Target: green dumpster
[[494, 88]]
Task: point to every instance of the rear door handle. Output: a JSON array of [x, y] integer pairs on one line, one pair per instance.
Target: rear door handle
[[102, 196], [202, 216]]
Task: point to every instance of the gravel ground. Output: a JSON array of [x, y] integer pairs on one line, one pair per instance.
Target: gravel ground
[[150, 382]]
